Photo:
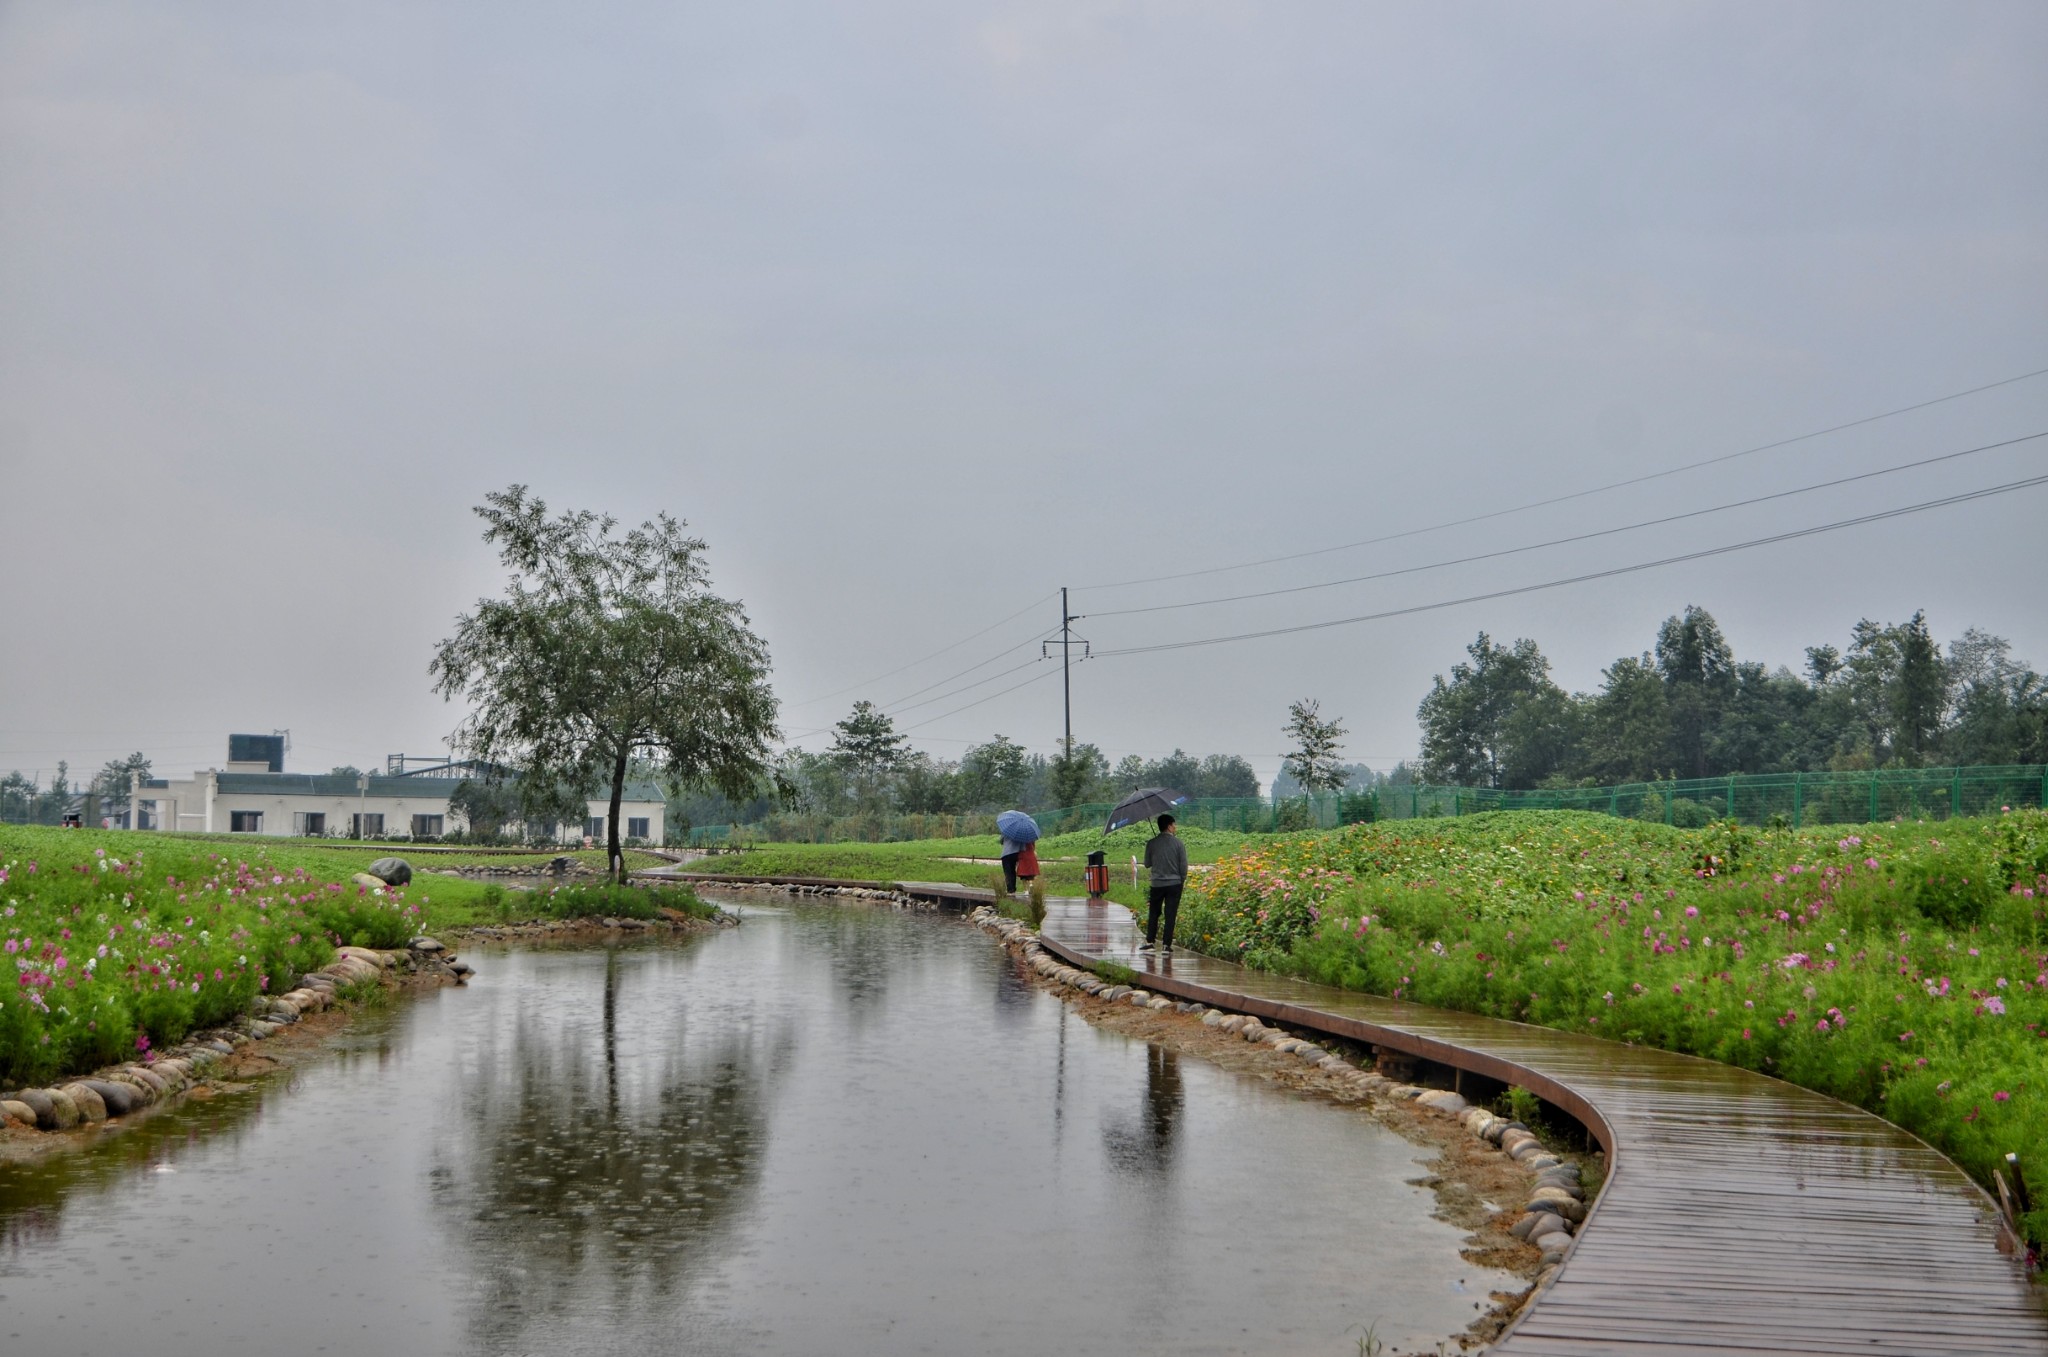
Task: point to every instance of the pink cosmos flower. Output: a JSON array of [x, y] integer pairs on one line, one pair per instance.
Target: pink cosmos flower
[[2001, 1097]]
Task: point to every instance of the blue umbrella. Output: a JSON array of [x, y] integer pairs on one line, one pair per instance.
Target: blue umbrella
[[1141, 805], [1017, 827]]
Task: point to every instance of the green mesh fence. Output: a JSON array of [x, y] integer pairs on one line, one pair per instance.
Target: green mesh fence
[[1792, 799]]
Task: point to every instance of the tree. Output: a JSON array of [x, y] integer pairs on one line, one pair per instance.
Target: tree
[[1627, 723], [1077, 773], [1228, 775], [1919, 695], [867, 742], [487, 803], [1698, 670], [1465, 728], [993, 775], [606, 649], [1314, 762], [114, 783]]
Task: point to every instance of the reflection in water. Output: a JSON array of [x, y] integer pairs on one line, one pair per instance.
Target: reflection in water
[[575, 1194], [1145, 1150], [828, 1131]]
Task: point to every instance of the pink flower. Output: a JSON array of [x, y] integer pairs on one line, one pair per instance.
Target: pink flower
[[1692, 911], [2001, 1097], [1995, 1006], [1905, 1037]]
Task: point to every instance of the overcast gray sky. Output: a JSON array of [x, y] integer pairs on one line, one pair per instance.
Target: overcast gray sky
[[918, 311]]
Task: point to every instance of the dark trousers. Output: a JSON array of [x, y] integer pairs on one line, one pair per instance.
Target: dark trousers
[[1010, 872], [1169, 896]]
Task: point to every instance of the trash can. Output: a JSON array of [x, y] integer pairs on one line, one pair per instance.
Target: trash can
[[1098, 874]]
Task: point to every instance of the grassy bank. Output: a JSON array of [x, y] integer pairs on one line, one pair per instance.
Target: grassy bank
[[120, 941], [1900, 967], [1061, 859]]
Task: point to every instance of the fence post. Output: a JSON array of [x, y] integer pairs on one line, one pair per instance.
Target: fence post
[[1955, 795], [1671, 802], [1795, 801], [1731, 796], [1873, 797]]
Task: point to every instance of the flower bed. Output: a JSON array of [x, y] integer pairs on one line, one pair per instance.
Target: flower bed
[[119, 944], [1900, 967]]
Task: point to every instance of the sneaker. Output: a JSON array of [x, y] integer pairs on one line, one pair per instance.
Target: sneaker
[[1144, 946]]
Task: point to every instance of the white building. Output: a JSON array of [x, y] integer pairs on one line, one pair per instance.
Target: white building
[[253, 795]]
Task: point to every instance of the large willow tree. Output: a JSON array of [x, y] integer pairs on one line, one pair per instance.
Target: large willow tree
[[607, 651]]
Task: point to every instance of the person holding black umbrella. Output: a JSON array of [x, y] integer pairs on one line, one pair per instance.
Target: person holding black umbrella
[[1167, 856]]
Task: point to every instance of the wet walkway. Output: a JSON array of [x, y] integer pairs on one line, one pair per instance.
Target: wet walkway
[[1741, 1214]]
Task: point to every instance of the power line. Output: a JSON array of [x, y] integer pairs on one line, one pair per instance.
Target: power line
[[969, 687], [1577, 494], [1590, 575], [898, 703], [1578, 537], [812, 701], [1035, 678]]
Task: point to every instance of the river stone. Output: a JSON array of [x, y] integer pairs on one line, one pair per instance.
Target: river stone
[[1554, 1246], [72, 1097], [19, 1111], [366, 881], [1445, 1101], [1308, 1052], [1543, 1159], [391, 871], [1560, 1205], [118, 1099], [38, 1101], [1526, 1227]]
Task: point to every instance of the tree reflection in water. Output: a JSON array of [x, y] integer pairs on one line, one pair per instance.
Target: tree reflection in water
[[585, 1190], [1146, 1149]]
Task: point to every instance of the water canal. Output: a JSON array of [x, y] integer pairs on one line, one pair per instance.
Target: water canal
[[831, 1130]]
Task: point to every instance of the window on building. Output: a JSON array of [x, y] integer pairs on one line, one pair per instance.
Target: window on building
[[426, 826], [245, 821], [593, 828], [365, 826], [311, 823], [636, 826]]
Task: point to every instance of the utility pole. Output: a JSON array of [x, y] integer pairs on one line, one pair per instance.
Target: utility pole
[[1066, 675], [1067, 642]]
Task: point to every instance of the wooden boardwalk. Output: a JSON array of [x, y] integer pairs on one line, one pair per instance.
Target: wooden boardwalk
[[1741, 1215]]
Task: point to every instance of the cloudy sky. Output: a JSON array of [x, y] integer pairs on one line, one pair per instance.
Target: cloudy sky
[[919, 311]]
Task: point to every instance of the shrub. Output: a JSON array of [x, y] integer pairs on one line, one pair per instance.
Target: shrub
[[609, 900]]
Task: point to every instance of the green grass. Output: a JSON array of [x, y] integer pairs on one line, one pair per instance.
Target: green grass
[[1902, 967], [1061, 859], [124, 942]]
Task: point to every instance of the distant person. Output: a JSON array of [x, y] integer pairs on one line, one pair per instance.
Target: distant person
[[1167, 856], [1027, 865], [1011, 852]]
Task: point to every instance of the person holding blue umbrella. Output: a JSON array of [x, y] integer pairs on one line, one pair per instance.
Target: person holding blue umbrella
[[1019, 831]]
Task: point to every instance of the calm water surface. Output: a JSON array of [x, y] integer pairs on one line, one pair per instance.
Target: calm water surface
[[831, 1130]]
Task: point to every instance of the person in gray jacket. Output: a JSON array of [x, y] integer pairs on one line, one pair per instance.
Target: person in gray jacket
[[1167, 856]]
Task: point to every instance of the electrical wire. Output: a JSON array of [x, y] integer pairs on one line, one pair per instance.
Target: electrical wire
[[1578, 537], [898, 703], [1035, 678], [970, 687], [1590, 575], [813, 701], [1576, 494]]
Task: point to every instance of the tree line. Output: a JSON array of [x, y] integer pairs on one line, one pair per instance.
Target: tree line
[[1688, 708], [25, 800]]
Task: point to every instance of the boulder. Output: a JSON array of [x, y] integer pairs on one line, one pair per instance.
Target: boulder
[[391, 871], [90, 1106], [118, 1099], [1559, 1205], [37, 1101], [368, 882], [11, 1110]]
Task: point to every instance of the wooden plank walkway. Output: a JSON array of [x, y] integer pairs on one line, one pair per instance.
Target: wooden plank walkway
[[1741, 1215]]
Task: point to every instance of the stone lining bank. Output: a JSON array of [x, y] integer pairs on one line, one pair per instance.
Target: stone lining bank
[[123, 1090], [1556, 1201]]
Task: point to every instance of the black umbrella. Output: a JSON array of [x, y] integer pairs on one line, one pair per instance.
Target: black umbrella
[[1142, 805]]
